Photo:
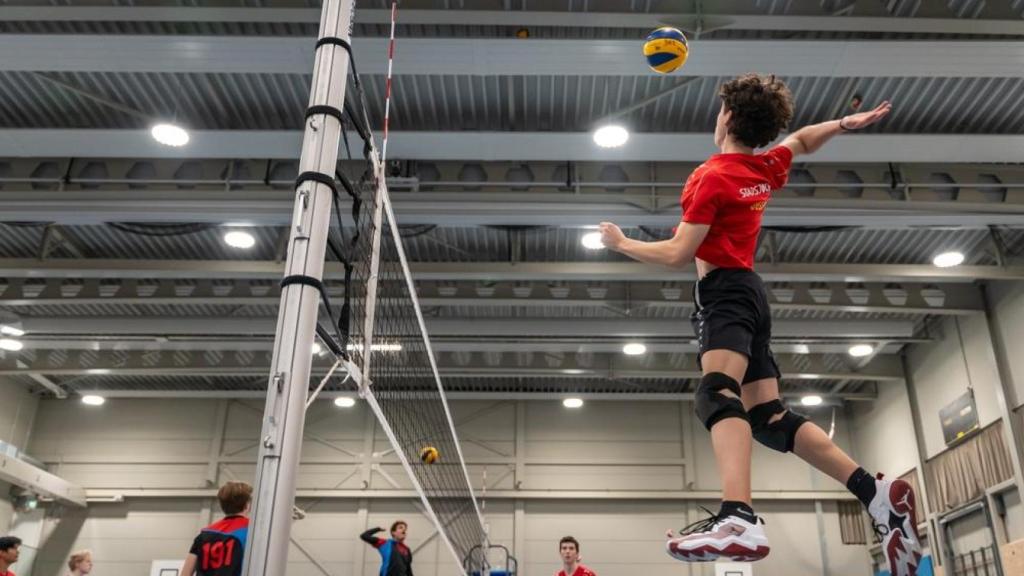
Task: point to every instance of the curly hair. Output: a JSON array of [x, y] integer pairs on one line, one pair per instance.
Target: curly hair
[[761, 107]]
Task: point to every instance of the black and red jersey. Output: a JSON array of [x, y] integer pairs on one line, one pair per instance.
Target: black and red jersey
[[219, 548]]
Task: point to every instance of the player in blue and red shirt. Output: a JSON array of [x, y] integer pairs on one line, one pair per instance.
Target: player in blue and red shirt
[[738, 396], [219, 548], [396, 557]]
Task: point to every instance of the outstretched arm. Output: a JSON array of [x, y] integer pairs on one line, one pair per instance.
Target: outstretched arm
[[369, 537], [676, 252], [809, 139]]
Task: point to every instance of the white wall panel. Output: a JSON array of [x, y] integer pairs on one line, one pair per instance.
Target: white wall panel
[[884, 432], [943, 370], [627, 446], [17, 411], [1007, 301]]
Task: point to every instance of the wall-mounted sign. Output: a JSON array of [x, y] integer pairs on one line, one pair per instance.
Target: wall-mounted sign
[[959, 418]]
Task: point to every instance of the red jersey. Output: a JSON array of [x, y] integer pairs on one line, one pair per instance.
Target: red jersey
[[8, 573], [730, 192], [581, 570]]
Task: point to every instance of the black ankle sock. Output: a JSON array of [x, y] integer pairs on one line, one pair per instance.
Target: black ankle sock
[[739, 509], [862, 485]]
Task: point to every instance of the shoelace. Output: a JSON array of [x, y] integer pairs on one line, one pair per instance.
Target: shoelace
[[702, 525], [708, 523]]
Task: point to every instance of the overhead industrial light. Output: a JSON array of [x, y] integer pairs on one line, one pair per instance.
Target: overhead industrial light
[[811, 400], [592, 241], [12, 331], [573, 402], [98, 371], [948, 259], [344, 401], [634, 349], [239, 239], [170, 135], [93, 400], [861, 350], [611, 136], [317, 348], [11, 345]]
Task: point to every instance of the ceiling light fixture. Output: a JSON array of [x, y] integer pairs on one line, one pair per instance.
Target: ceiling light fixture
[[861, 350], [93, 400], [170, 135], [811, 400], [592, 241], [12, 331], [612, 136], [10, 345], [239, 239], [948, 259], [634, 349]]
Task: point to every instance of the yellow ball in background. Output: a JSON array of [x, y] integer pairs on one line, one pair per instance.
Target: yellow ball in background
[[429, 455], [666, 50]]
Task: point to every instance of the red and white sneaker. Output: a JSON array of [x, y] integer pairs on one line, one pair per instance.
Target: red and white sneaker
[[720, 538], [893, 512]]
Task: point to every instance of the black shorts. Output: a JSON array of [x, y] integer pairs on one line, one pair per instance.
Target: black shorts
[[733, 314]]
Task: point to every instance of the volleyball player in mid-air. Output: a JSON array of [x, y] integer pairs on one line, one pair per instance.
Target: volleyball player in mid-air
[[738, 396]]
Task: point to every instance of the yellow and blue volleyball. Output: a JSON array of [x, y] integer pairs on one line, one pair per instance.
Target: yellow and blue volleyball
[[429, 455], [666, 50]]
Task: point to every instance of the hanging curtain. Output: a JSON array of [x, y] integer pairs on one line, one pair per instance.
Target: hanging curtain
[[961, 474], [851, 522]]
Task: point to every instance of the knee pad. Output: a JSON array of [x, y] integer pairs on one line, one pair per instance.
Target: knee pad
[[713, 406], [779, 435]]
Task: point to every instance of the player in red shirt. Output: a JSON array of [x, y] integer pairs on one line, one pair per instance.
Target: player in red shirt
[[569, 549], [738, 396], [8, 553], [219, 548]]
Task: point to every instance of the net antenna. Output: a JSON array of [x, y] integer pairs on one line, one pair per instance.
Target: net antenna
[[378, 340]]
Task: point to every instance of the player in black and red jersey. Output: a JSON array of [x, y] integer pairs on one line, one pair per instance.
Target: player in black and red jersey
[[219, 548], [738, 396]]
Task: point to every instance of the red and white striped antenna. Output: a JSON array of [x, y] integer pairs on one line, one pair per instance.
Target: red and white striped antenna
[[387, 85]]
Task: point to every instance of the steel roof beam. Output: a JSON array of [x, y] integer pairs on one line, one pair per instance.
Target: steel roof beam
[[513, 57], [622, 297], [687, 21], [500, 271], [476, 327], [578, 345], [271, 208], [452, 365], [498, 146]]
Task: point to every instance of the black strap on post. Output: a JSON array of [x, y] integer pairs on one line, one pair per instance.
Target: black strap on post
[[325, 109], [341, 345]]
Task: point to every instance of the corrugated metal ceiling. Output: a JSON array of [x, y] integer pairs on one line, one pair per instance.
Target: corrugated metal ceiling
[[490, 103]]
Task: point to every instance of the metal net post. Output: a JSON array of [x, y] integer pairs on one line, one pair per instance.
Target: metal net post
[[284, 416]]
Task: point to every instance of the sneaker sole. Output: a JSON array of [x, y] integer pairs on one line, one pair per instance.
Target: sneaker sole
[[895, 544], [709, 553], [903, 500]]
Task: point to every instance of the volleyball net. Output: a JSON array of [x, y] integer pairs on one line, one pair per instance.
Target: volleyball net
[[367, 315]]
